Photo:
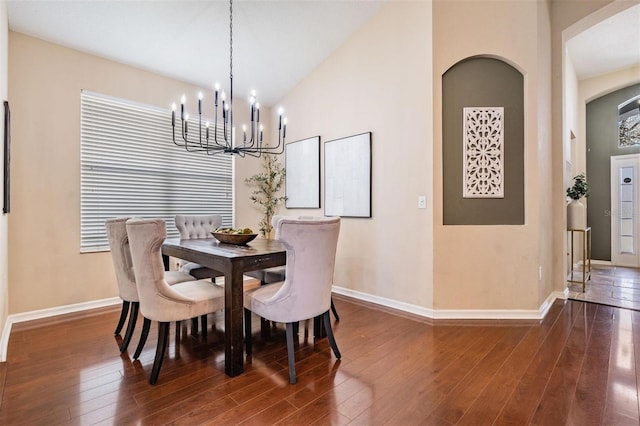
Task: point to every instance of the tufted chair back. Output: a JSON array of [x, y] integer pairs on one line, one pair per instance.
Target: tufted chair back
[[121, 256], [191, 227], [311, 252], [158, 301]]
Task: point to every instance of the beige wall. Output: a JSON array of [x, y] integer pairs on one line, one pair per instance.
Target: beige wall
[[494, 267], [380, 81], [4, 277], [46, 268]]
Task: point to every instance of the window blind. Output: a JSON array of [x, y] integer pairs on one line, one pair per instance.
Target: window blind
[[131, 167]]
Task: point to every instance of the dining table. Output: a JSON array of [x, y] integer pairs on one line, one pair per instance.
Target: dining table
[[233, 261]]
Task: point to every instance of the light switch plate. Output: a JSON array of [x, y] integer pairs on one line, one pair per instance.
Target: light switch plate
[[422, 202]]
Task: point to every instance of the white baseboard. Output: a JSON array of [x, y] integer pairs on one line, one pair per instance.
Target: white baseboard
[[49, 312], [479, 314]]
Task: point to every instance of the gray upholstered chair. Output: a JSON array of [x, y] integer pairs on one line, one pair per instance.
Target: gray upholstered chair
[[306, 291], [277, 273], [121, 256], [191, 227], [159, 301]]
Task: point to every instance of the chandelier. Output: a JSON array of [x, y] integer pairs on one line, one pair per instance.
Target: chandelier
[[224, 144]]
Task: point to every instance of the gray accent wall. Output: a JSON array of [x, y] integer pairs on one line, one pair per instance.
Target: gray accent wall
[[483, 82], [602, 144]]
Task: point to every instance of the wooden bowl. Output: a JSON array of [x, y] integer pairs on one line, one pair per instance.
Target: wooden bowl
[[237, 239]]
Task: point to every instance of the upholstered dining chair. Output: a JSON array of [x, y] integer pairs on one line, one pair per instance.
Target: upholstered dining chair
[[306, 291], [191, 227], [277, 273], [159, 301], [121, 256]]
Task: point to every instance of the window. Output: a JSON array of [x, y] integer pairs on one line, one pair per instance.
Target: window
[[130, 167], [629, 123]]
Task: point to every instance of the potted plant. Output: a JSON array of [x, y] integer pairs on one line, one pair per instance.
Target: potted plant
[[576, 218], [268, 184]]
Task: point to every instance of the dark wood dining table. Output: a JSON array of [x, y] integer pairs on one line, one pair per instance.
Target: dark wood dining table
[[233, 261]]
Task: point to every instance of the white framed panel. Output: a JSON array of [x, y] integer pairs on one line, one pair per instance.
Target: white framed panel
[[347, 176], [302, 165]]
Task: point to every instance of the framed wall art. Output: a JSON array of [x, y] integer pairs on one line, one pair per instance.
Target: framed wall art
[[7, 158], [302, 165], [347, 176]]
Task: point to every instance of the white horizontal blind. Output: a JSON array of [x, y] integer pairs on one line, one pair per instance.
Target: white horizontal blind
[[131, 167]]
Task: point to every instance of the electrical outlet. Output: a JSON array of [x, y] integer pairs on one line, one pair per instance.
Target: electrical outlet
[[422, 202]]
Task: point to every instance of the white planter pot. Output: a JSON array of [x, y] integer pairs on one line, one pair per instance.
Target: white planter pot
[[576, 215]]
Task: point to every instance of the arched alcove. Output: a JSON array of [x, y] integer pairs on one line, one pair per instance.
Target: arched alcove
[[496, 88]]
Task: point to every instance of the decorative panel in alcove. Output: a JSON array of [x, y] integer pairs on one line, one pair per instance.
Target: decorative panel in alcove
[[483, 84]]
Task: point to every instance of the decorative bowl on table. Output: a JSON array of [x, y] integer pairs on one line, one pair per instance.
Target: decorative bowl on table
[[234, 236]]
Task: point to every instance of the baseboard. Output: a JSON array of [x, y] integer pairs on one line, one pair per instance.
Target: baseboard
[[601, 262], [476, 314], [49, 312]]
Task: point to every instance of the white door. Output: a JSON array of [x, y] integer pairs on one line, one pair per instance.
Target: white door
[[624, 210]]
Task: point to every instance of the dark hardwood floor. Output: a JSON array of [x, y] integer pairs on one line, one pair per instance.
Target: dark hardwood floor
[[579, 366]]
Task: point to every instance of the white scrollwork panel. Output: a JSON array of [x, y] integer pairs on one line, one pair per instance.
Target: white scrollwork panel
[[483, 157]]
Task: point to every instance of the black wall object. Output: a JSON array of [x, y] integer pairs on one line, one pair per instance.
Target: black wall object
[[7, 156]]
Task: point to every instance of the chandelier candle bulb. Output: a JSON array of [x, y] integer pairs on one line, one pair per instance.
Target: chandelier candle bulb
[[257, 112], [200, 103], [182, 107]]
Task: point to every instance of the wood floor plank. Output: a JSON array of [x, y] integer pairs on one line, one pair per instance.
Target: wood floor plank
[[490, 402], [588, 407], [622, 396], [525, 398], [557, 398]]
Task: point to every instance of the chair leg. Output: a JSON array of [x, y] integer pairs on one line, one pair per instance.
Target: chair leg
[[203, 324], [163, 337], [296, 328], [146, 324], [332, 340], [123, 317], [247, 331], [335, 312], [133, 318], [290, 354], [194, 326]]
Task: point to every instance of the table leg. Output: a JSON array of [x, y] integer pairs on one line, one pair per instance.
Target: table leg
[[233, 317]]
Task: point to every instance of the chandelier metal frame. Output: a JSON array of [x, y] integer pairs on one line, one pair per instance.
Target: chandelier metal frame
[[224, 145]]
